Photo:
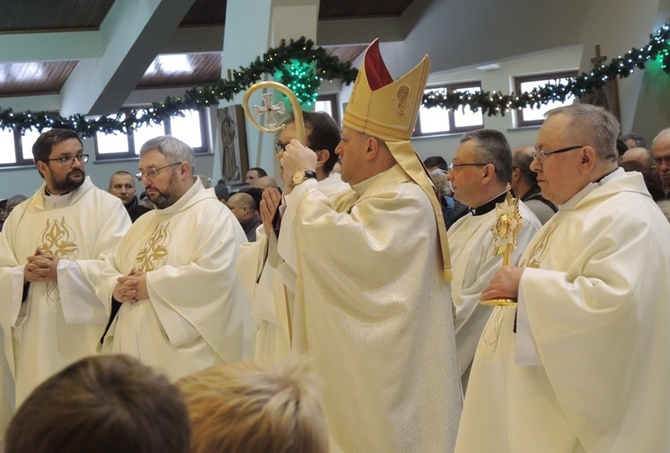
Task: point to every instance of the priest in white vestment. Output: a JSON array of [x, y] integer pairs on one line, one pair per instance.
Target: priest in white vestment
[[581, 364], [268, 282], [51, 251], [372, 303], [182, 306], [479, 175]]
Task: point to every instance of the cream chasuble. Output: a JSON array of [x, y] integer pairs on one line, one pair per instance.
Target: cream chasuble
[[373, 309], [587, 369], [196, 315], [474, 262], [57, 323], [269, 285]]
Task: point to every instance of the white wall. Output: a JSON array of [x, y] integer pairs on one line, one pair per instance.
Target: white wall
[[560, 59]]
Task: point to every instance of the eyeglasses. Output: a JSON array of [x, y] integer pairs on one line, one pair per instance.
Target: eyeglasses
[[68, 161], [280, 147], [541, 155], [152, 172], [474, 164]]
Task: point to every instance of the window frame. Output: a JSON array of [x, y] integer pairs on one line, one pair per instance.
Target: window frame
[[332, 99], [167, 129], [453, 129], [19, 160], [547, 77]]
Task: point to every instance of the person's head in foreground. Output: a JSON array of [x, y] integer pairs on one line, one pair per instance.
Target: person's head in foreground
[[105, 403], [255, 407]]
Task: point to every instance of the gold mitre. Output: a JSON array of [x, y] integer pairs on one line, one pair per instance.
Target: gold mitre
[[381, 107], [387, 110]]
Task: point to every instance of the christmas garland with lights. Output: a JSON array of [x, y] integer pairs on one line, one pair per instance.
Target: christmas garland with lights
[[302, 67], [278, 60]]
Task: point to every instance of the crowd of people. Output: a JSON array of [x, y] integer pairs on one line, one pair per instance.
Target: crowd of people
[[343, 312]]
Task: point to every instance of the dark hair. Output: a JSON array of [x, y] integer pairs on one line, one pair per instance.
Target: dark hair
[[639, 140], [323, 134], [255, 192], [522, 160], [621, 147], [492, 147], [221, 190], [105, 403], [259, 170], [433, 162], [46, 141]]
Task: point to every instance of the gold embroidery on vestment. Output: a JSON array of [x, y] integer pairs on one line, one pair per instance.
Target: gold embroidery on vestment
[[60, 240], [538, 252], [154, 251]]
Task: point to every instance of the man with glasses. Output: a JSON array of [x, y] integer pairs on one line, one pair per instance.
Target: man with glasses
[[479, 175], [182, 307], [581, 362], [51, 252], [268, 281]]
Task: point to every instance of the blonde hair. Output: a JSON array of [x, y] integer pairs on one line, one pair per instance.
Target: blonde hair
[[255, 407]]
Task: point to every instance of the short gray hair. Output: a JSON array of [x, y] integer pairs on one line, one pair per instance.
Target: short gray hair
[[174, 149], [492, 147], [592, 125]]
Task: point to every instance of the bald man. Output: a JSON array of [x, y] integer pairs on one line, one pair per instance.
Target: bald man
[[266, 181], [639, 154], [245, 210], [661, 151]]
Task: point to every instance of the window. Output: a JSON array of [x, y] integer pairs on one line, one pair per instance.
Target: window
[[190, 129], [17, 149], [535, 116], [328, 103], [436, 120]]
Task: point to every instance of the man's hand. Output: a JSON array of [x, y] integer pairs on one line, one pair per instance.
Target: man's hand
[[41, 267], [269, 206], [297, 157], [504, 284], [131, 288]]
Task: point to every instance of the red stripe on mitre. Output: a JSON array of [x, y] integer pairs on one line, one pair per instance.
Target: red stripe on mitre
[[375, 69]]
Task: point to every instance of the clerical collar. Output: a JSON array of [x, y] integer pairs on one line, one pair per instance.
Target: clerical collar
[[49, 194], [611, 175], [489, 205], [53, 201]]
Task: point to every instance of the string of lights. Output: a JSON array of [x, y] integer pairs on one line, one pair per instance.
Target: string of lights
[[302, 67]]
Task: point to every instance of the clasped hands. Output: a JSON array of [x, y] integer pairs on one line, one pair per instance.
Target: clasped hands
[[131, 288], [41, 267]]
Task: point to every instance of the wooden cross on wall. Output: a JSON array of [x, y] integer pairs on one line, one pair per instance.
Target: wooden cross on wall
[[598, 59]]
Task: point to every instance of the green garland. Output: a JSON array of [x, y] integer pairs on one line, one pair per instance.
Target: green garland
[[495, 103], [273, 60], [277, 60]]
